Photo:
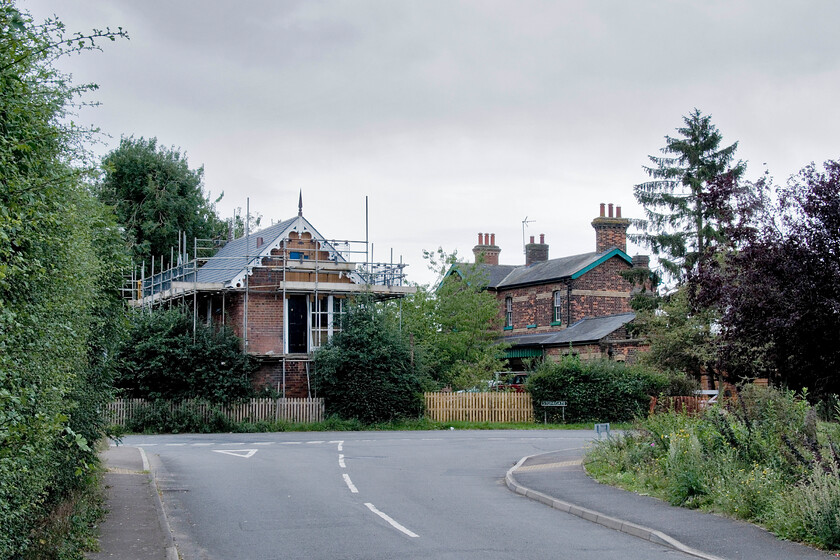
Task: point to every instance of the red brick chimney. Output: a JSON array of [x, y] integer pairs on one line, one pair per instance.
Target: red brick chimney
[[487, 251], [610, 230], [536, 252]]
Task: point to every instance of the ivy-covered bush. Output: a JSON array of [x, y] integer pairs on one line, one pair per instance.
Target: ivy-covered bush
[[365, 372], [162, 359], [597, 390]]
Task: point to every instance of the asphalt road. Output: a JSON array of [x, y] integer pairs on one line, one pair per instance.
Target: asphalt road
[[370, 495]]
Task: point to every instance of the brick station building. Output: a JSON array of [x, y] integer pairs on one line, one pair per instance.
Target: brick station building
[[576, 304], [281, 289]]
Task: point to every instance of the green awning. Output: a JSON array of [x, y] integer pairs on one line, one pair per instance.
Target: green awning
[[523, 352]]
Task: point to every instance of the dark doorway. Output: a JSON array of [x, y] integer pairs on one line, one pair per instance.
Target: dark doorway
[[297, 324]]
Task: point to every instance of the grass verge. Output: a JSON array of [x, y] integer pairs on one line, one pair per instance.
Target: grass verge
[[70, 529]]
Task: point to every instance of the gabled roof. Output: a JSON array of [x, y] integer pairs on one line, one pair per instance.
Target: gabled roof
[[506, 276], [586, 330], [236, 259]]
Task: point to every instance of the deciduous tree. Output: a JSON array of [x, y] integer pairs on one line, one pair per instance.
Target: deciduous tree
[[455, 325], [156, 195]]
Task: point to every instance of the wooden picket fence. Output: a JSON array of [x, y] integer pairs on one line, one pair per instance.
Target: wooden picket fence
[[479, 407], [692, 406], [255, 410]]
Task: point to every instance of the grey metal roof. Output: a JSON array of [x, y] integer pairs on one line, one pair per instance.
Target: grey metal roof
[[586, 330], [232, 259]]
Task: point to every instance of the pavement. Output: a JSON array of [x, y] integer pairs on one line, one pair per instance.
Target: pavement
[[136, 527], [558, 480]]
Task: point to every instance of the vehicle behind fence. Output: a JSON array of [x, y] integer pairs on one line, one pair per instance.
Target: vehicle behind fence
[[121, 411]]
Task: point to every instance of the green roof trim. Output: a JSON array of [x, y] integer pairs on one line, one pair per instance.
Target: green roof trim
[[523, 352], [603, 259]]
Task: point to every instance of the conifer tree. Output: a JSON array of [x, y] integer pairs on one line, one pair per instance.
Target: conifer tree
[[679, 225]]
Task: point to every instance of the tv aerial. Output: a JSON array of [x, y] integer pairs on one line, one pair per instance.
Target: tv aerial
[[525, 223]]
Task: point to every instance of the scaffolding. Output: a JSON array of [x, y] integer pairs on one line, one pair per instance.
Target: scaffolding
[[182, 277], [325, 270]]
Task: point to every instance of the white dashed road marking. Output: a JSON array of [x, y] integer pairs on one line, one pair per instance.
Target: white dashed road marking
[[393, 523], [350, 484]]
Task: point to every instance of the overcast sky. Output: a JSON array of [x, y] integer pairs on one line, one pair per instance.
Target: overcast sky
[[456, 117]]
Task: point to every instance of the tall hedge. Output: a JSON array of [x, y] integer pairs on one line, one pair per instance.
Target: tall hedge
[[60, 254], [598, 390]]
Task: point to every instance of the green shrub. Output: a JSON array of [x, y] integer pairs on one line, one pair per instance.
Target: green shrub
[[163, 416], [162, 359], [365, 371], [596, 390]]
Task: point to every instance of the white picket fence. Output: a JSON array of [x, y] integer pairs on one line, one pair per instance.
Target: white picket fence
[[255, 410]]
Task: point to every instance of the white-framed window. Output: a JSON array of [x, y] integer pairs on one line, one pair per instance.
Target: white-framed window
[[509, 312], [558, 306], [327, 313]]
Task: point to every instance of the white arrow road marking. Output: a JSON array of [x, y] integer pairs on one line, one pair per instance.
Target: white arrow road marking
[[244, 453], [350, 484], [393, 523]]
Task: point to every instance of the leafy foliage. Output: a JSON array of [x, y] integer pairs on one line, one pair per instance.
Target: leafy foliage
[[598, 390], [162, 359], [365, 371], [57, 313], [681, 337], [759, 457], [454, 327], [156, 195], [681, 224], [778, 295]]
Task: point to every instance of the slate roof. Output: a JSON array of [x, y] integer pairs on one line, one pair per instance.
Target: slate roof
[[507, 276], [586, 330], [232, 259]]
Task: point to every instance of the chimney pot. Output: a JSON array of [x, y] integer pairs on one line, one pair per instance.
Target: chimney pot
[[618, 211], [487, 239], [542, 239], [602, 209], [479, 238], [492, 239], [611, 209], [532, 239]]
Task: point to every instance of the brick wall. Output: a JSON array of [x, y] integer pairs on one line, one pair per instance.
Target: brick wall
[[626, 351], [601, 291], [271, 374]]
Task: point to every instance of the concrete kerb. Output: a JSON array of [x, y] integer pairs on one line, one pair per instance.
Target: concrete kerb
[[621, 525], [169, 540]]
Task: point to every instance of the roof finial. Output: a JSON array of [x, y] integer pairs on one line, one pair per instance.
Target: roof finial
[[300, 203]]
